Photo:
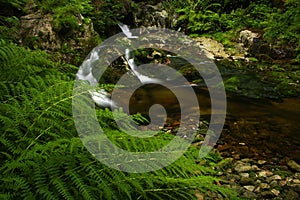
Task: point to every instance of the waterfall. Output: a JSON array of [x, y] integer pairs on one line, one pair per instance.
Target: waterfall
[[143, 79], [100, 96], [130, 60]]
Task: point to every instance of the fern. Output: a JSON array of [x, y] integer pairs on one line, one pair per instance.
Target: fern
[[43, 158]]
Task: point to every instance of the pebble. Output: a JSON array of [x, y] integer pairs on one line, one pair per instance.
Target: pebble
[[243, 168], [246, 175], [249, 188], [291, 195], [268, 181], [264, 186], [276, 177], [267, 194], [246, 181], [261, 162], [275, 192], [265, 173], [282, 183], [250, 195], [297, 181], [294, 166]]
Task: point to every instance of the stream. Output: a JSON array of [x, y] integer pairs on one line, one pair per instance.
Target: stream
[[259, 129]]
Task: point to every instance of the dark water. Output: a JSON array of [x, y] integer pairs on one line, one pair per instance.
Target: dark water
[[259, 129]]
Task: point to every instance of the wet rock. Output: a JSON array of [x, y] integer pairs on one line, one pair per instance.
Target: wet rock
[[291, 195], [250, 195], [226, 163], [247, 37], [233, 177], [282, 183], [275, 192], [294, 166], [297, 181], [249, 188], [296, 188], [245, 175], [264, 186], [264, 173], [297, 175], [243, 168], [36, 31], [273, 184], [246, 181], [276, 177], [267, 194], [261, 162], [213, 48], [152, 16]]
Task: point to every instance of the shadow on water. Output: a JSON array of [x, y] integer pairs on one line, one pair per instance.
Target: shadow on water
[[254, 128]]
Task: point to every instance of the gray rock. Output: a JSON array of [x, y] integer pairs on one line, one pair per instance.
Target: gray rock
[[246, 181], [250, 195], [276, 177], [297, 175], [261, 162], [247, 37], [293, 165], [249, 187], [243, 168], [246, 175], [275, 192], [291, 195], [273, 184], [267, 194], [233, 177], [264, 186], [296, 187], [264, 173], [225, 163]]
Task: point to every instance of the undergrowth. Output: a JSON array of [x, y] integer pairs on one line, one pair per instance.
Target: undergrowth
[[42, 156]]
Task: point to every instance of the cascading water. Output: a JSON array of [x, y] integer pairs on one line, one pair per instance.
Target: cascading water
[[100, 96], [143, 79]]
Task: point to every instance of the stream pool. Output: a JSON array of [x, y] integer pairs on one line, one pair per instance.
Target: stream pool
[[261, 129]]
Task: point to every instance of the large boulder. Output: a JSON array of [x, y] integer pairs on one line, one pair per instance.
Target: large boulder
[[251, 43], [36, 31], [213, 48], [43, 31], [152, 16]]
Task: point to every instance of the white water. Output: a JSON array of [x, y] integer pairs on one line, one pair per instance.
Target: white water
[[125, 29], [144, 79], [100, 96]]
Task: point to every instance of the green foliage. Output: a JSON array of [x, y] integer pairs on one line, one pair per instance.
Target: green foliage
[[9, 28], [43, 158], [283, 26], [107, 13], [55, 6], [201, 17]]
